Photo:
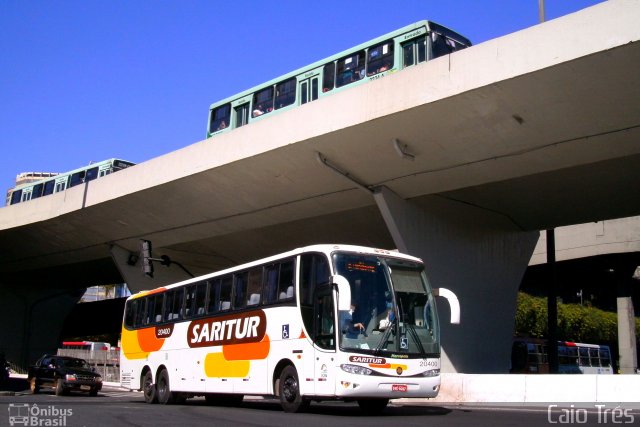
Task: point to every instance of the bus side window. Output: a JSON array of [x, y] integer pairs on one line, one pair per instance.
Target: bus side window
[[254, 286], [214, 295], [328, 77], [225, 293], [199, 303], [285, 281], [130, 313], [240, 290], [271, 283], [157, 312], [140, 313], [148, 316], [168, 305]]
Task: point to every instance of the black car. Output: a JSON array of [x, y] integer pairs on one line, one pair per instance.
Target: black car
[[63, 374]]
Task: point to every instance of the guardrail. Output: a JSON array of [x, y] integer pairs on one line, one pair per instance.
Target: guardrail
[[104, 362]]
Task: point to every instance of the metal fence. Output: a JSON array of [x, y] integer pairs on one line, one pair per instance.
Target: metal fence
[[105, 362]]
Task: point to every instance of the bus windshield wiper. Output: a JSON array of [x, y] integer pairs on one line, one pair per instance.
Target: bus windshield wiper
[[385, 336], [414, 335]]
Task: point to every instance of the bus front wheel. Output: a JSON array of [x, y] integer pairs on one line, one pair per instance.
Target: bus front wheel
[[289, 391]]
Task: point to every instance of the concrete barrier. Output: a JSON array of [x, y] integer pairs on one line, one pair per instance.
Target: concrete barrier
[[498, 388]]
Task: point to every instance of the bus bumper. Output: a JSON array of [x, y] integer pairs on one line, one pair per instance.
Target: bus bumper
[[355, 386]]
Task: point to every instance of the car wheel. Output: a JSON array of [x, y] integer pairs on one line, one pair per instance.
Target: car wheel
[[60, 390], [149, 388], [289, 390], [93, 392], [33, 386]]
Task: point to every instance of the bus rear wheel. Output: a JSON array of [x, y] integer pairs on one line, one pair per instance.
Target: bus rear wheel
[[372, 406], [289, 391], [149, 388], [163, 390]]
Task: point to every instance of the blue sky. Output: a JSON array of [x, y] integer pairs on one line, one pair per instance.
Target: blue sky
[[88, 80]]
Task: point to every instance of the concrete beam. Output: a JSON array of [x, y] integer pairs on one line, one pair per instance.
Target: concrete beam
[[479, 255]]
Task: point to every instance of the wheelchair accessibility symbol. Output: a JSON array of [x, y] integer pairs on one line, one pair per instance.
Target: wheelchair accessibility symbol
[[285, 332]]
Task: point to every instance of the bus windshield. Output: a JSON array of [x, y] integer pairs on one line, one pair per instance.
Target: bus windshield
[[392, 307]]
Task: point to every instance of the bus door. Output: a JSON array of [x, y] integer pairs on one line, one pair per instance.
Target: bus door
[[308, 90], [325, 342]]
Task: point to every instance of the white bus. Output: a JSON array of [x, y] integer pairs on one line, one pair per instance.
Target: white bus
[[325, 322]]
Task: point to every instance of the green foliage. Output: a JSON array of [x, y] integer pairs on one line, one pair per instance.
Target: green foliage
[[575, 322]]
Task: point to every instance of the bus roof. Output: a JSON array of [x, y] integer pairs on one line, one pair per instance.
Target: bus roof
[[313, 248]]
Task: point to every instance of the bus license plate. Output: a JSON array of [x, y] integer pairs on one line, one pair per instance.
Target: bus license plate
[[399, 387]]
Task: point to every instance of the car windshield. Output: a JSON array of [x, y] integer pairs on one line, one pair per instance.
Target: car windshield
[[392, 306], [73, 363]]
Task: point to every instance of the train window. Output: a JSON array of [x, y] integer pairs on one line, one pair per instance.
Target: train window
[[26, 195], [77, 178], [48, 188], [328, 77], [37, 191], [220, 118], [16, 197], [91, 174], [262, 102], [61, 186], [442, 45], [350, 69], [242, 114], [285, 93], [380, 58]]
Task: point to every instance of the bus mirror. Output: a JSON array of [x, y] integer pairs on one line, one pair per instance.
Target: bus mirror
[[344, 292], [454, 304]]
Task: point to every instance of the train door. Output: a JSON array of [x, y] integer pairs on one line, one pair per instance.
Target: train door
[[308, 90]]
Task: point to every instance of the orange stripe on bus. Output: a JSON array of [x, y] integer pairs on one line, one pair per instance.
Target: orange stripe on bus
[[247, 351], [148, 341]]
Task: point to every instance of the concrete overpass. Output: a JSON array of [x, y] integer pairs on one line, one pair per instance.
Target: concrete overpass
[[534, 130]]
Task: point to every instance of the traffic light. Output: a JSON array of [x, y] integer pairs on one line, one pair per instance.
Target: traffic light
[[145, 253]]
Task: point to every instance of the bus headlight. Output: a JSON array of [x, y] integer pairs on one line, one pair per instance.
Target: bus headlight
[[355, 369], [431, 373]]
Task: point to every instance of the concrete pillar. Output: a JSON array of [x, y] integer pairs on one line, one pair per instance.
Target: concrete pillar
[[479, 255], [626, 327], [31, 319]]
